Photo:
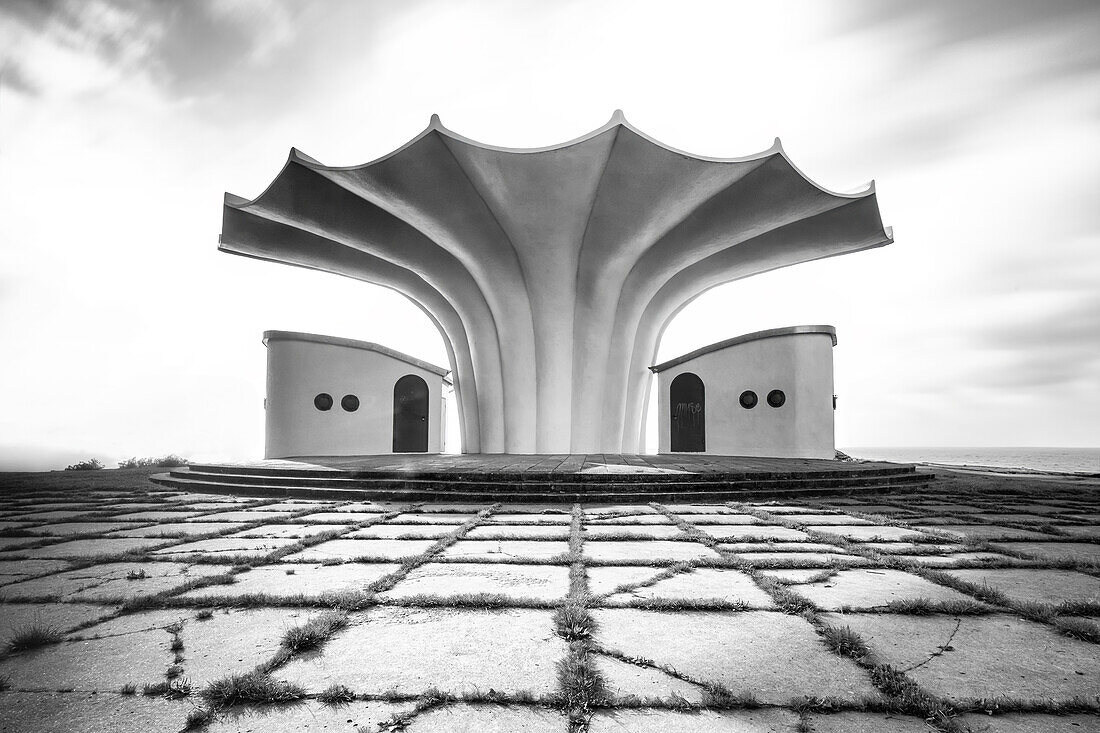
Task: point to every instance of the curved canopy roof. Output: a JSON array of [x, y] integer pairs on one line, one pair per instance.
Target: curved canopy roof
[[551, 272]]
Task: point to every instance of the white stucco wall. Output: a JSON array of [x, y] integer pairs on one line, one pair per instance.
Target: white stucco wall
[[799, 364], [301, 366]]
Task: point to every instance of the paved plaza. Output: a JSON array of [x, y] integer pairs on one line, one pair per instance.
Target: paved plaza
[[971, 605]]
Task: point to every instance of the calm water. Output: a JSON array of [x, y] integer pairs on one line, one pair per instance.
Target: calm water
[[1066, 460]]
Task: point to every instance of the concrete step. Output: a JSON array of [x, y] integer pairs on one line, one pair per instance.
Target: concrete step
[[433, 491], [328, 480]]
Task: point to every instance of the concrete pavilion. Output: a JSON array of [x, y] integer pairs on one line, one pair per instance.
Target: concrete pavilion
[[550, 272]]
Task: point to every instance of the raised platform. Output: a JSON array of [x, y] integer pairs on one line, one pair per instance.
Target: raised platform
[[531, 478]]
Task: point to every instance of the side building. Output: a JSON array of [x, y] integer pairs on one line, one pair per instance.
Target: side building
[[768, 393], [331, 396]]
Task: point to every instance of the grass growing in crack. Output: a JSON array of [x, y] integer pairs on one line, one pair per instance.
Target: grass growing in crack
[[33, 636], [574, 622], [1078, 628], [128, 689], [198, 717], [845, 642], [927, 607], [336, 694], [204, 614], [172, 689], [250, 687], [718, 696], [581, 684], [313, 633]]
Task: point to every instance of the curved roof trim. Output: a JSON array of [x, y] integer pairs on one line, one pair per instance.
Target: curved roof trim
[[317, 338], [618, 119], [745, 338]]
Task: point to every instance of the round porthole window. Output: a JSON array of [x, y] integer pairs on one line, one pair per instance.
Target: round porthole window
[[776, 398], [748, 399], [350, 403], [323, 402]]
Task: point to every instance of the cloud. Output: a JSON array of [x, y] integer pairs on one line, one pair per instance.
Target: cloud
[[182, 47]]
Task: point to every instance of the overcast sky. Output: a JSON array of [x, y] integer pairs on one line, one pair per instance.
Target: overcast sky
[[124, 332]]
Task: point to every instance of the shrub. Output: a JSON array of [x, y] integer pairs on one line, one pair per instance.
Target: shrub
[[169, 461], [89, 465]]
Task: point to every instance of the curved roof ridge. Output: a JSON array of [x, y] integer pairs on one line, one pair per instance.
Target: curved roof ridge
[[745, 338], [318, 338], [618, 119]]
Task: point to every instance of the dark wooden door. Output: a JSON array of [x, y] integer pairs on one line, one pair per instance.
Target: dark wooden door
[[410, 415], [687, 402]]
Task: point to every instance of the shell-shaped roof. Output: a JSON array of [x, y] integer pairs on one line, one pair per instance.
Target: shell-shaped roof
[[551, 272]]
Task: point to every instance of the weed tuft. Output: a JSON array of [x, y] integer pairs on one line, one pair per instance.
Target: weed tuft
[[33, 636], [845, 642], [336, 694], [198, 717], [718, 696], [313, 633], [128, 689], [250, 687], [574, 622]]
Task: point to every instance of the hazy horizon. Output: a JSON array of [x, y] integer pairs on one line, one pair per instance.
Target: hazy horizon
[[122, 123]]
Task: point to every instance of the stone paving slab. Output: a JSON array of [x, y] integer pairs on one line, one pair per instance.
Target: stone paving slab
[[873, 588], [431, 518], [704, 584], [256, 547], [85, 549], [623, 678], [399, 531], [868, 723], [603, 580], [14, 570], [825, 519], [865, 532], [158, 515], [704, 519], [110, 582], [802, 559], [489, 719], [181, 530], [62, 617], [778, 656], [294, 531], [338, 517], [541, 582], [1025, 584], [410, 650], [646, 550], [634, 519], [307, 715], [742, 532], [741, 721], [642, 531], [936, 561], [1031, 723], [740, 547], [65, 712], [1084, 551], [534, 531], [342, 549], [505, 518], [989, 531], [305, 579], [991, 656], [244, 515], [60, 529], [489, 550]]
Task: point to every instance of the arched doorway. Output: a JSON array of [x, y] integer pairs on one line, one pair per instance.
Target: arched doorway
[[410, 415], [687, 399]]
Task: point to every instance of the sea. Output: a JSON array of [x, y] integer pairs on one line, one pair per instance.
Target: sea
[[1056, 460]]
